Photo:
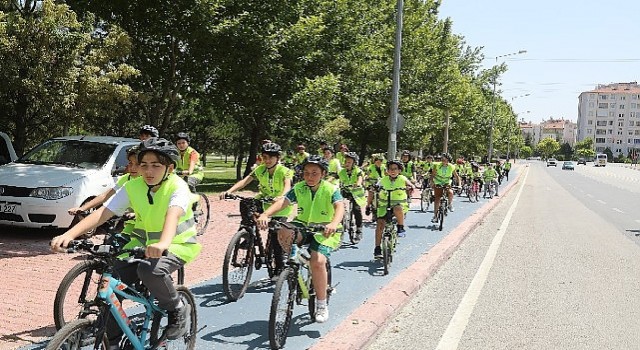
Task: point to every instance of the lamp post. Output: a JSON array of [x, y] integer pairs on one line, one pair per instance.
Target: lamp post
[[493, 104], [395, 88]]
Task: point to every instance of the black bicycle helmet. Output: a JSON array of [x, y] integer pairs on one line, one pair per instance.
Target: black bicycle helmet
[[271, 148], [446, 155], [352, 155], [149, 129], [160, 146], [406, 153], [396, 162], [183, 136], [314, 159]]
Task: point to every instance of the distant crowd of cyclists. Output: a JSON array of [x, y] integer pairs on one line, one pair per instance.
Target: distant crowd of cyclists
[[162, 176]]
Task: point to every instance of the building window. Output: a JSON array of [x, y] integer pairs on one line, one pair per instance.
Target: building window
[[610, 122], [636, 141], [603, 97], [610, 131], [623, 98], [601, 132], [631, 122], [601, 123], [612, 105], [619, 132], [589, 122], [637, 132], [633, 105], [589, 131], [590, 114], [599, 139], [620, 123], [612, 97], [618, 150], [621, 107], [630, 132], [634, 97], [632, 114], [637, 122], [618, 142], [620, 115], [612, 113]]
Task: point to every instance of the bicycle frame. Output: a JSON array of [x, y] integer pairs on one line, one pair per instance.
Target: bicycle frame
[[108, 291]]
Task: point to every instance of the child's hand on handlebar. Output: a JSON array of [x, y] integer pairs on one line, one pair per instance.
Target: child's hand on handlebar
[[263, 221], [329, 229]]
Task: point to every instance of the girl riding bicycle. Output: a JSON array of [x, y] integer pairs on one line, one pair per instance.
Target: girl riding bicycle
[[441, 177], [319, 203], [164, 222], [351, 177]]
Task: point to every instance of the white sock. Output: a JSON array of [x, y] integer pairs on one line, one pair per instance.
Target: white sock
[[321, 303]]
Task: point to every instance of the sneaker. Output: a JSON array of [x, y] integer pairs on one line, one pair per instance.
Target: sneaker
[[358, 236], [434, 219], [497, 195], [322, 314], [377, 253], [177, 326], [367, 210], [451, 208], [401, 231]]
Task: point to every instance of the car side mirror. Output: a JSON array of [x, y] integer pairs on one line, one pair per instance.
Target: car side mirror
[[117, 171]]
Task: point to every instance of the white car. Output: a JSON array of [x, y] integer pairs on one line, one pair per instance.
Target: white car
[[61, 173], [7, 153], [552, 162]]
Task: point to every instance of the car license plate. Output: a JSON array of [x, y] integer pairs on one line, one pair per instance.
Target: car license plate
[[9, 208]]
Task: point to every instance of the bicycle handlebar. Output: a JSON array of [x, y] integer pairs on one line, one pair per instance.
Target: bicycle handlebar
[[276, 225], [137, 254], [238, 197]]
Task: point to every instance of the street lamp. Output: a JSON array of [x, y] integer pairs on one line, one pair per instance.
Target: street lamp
[[493, 104]]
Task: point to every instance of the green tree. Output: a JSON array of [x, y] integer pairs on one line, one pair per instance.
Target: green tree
[[548, 147], [525, 152]]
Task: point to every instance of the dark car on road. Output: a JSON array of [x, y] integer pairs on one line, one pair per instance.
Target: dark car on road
[[582, 161]]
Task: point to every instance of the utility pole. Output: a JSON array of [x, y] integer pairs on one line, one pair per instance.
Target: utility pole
[[395, 89], [445, 148]]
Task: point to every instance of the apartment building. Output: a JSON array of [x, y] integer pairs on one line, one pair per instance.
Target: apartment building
[[558, 129], [610, 114]]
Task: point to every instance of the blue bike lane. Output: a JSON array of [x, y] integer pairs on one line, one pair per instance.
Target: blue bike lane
[[357, 277]]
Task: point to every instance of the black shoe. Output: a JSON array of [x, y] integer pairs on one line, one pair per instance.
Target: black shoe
[[377, 253], [367, 210], [358, 237], [177, 326]]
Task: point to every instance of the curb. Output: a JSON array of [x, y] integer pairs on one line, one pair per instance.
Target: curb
[[361, 327]]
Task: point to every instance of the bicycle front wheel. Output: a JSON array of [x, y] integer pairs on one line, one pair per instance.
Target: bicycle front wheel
[[424, 200], [77, 293], [238, 265], [159, 324], [78, 334], [282, 303], [441, 217], [202, 214], [387, 251]]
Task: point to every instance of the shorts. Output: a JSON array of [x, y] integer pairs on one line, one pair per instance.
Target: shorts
[[308, 239], [381, 212]]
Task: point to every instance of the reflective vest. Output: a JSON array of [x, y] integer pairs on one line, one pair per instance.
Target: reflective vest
[[489, 174], [300, 157], [185, 161], [408, 170], [507, 166], [398, 191], [351, 179], [374, 173], [129, 224], [150, 217], [273, 186], [443, 174], [317, 209]]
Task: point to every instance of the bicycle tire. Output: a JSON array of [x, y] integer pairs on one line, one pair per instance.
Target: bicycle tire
[[180, 276], [159, 323], [386, 255], [425, 201], [312, 294], [282, 304], [82, 330], [202, 214], [237, 268], [441, 214], [346, 221], [82, 280]]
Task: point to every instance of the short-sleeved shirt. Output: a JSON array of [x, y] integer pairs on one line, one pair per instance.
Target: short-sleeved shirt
[[291, 196], [120, 202]]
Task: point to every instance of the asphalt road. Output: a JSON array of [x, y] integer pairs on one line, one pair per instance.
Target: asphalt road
[[554, 266]]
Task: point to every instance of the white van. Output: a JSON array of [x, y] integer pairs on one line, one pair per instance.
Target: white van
[[61, 173], [601, 159]]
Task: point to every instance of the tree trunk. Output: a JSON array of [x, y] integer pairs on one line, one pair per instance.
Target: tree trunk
[[255, 140]]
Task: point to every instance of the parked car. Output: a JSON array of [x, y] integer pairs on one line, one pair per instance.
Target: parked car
[[568, 166], [61, 173], [582, 161], [552, 162], [7, 153]]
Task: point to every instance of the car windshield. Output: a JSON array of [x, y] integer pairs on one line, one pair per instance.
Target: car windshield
[[567, 163], [72, 153]]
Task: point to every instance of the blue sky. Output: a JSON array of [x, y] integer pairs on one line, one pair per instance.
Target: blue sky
[[571, 47]]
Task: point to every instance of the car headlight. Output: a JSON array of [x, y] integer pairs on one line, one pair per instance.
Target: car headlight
[[51, 193]]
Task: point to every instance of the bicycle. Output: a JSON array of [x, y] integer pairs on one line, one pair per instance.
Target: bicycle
[[389, 235], [141, 331], [294, 285], [348, 219], [374, 202], [443, 209], [201, 208], [246, 250], [74, 299], [426, 196], [473, 191], [489, 187]]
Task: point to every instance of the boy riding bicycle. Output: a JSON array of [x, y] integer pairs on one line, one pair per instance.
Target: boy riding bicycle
[[351, 178], [490, 177], [189, 165], [441, 177], [319, 203], [164, 222], [394, 185], [274, 182]]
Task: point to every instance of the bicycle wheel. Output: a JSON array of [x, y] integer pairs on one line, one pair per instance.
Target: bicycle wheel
[[282, 303], [202, 214], [346, 221], [424, 200], [238, 265], [386, 254], [159, 324], [77, 292], [179, 276], [441, 214], [312, 293], [77, 334]]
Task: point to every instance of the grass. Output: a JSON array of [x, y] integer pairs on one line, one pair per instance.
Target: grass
[[220, 176]]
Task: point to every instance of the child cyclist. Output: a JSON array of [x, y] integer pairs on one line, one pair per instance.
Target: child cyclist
[[351, 178], [441, 177], [394, 185], [319, 203], [490, 176], [274, 182], [189, 165], [164, 222]]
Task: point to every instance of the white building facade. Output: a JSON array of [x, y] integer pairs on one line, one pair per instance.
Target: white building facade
[[610, 115]]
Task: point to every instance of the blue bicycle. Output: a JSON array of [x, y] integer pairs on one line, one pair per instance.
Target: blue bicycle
[[142, 331]]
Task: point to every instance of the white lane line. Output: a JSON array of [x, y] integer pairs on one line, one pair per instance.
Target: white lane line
[[589, 195], [452, 335], [601, 201], [618, 210]]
